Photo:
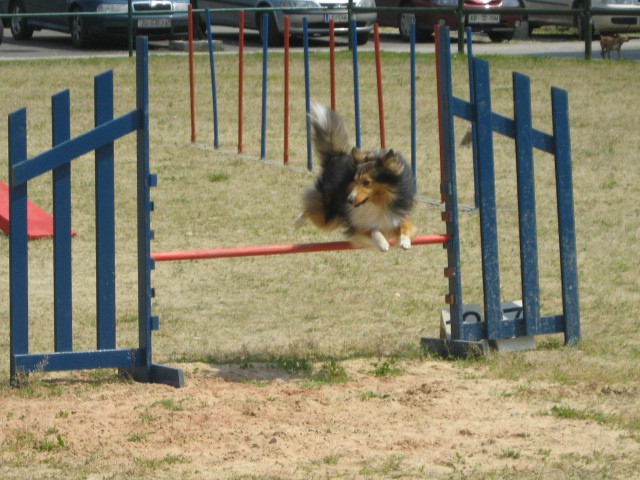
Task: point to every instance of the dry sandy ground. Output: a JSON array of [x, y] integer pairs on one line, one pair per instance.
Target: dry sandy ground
[[434, 420]]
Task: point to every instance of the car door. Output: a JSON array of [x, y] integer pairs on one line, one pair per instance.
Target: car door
[[387, 19], [550, 18], [46, 6], [57, 6], [227, 18]]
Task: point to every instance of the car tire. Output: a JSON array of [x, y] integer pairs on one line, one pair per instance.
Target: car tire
[[199, 23], [79, 34], [275, 38], [404, 27], [499, 37], [362, 38], [20, 29], [582, 34]]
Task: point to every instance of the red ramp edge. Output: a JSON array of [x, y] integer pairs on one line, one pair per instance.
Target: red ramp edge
[[39, 222]]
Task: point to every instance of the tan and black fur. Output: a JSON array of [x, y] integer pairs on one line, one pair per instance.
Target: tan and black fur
[[368, 193], [611, 43]]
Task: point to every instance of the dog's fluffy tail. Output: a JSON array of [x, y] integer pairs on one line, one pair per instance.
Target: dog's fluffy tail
[[329, 133]]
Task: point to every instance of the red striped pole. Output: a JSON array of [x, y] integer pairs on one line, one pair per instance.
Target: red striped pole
[[286, 90], [191, 75], [376, 37], [283, 249], [332, 62], [240, 78]]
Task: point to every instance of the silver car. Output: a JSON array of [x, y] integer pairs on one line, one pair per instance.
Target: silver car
[[612, 23], [318, 21], [160, 19]]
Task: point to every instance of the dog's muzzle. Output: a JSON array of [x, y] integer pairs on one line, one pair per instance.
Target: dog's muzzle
[[351, 199]]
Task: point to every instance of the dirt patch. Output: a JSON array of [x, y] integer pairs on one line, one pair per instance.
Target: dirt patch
[[433, 420]]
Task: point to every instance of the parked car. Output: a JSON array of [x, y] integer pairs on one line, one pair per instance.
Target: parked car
[[171, 19], [498, 26], [318, 22], [613, 23]]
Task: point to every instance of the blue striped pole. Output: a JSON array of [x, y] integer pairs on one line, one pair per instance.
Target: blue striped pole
[[413, 104], [265, 73], [356, 81], [214, 95], [307, 90]]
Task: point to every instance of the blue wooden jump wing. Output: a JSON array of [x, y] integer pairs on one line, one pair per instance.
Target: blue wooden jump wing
[[137, 360], [484, 123]]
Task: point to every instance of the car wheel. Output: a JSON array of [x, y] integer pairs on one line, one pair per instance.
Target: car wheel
[[275, 38], [404, 27], [78, 28], [199, 23], [499, 37], [582, 33], [20, 29], [362, 38]]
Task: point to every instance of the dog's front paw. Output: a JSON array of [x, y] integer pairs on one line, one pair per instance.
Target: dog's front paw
[[380, 241], [405, 242]]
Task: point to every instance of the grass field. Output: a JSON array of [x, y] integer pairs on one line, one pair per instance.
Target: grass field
[[341, 305]]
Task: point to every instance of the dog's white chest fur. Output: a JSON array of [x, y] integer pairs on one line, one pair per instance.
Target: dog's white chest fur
[[370, 216]]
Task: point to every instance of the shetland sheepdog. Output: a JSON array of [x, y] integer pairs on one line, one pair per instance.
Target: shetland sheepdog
[[368, 193]]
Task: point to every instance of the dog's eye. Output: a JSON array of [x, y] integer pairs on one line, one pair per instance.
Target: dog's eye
[[366, 183]]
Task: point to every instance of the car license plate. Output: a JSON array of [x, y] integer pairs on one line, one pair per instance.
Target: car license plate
[[154, 23], [336, 17], [484, 18]]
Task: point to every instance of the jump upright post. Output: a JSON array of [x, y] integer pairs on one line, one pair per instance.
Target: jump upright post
[[137, 360], [494, 325]]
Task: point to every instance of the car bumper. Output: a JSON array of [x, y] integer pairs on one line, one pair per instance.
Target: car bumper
[[617, 23], [318, 23], [483, 21], [156, 26]]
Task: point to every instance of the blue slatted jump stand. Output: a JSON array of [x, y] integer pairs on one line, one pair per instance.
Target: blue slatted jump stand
[[136, 361], [492, 324]]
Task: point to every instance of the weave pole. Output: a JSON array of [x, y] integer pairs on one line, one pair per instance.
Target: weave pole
[[307, 91], [376, 37], [212, 67], [356, 80], [414, 162], [265, 74], [192, 88], [286, 90], [282, 249], [332, 62], [240, 78]]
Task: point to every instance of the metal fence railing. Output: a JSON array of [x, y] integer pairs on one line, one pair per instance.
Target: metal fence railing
[[584, 16]]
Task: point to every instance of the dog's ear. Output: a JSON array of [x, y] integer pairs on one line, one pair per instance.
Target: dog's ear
[[391, 162], [357, 155]]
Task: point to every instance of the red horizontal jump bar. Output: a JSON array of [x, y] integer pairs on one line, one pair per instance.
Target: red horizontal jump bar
[[277, 249]]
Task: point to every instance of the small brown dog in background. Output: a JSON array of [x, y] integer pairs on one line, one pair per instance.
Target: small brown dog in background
[[608, 44]]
